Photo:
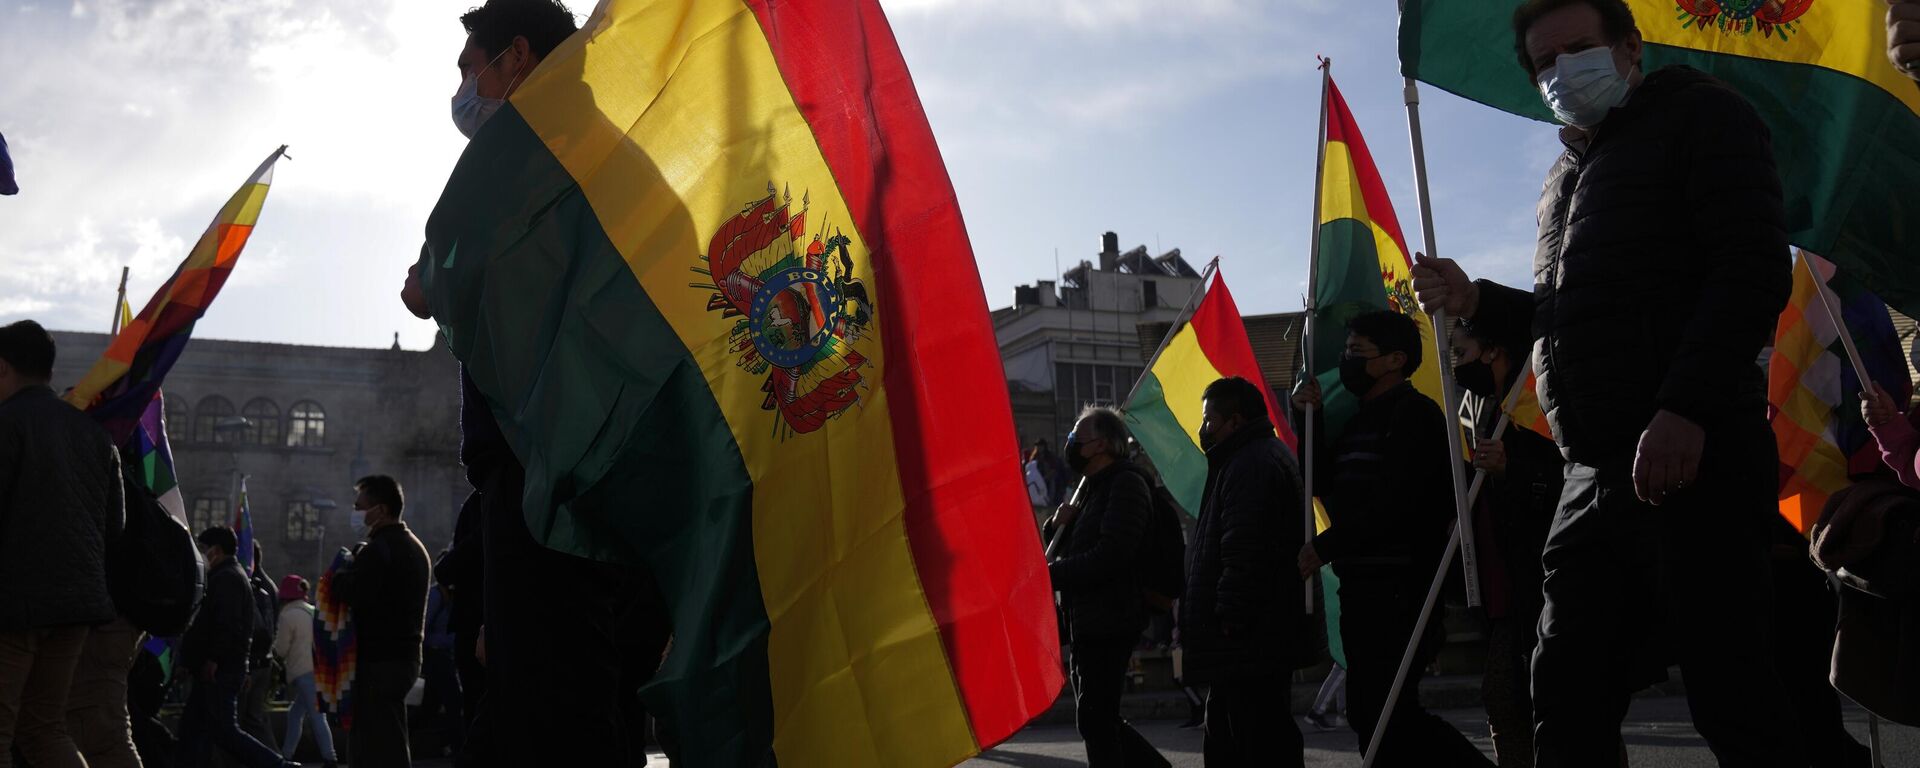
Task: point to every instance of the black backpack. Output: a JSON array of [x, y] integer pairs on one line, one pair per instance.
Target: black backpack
[[1163, 552], [154, 570]]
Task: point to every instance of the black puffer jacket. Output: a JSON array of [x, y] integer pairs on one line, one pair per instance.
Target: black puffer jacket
[[1662, 266], [61, 505], [1240, 572], [386, 591], [1098, 573], [222, 630]]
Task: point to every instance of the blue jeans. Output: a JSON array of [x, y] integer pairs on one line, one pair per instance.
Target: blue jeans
[[212, 718], [303, 709]]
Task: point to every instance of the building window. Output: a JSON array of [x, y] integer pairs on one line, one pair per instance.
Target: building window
[[1078, 385], [207, 513], [178, 423], [263, 422], [207, 417], [303, 522], [306, 425]]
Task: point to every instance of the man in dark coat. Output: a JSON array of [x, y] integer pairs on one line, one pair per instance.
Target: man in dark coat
[[214, 651], [1646, 329], [1241, 621], [1510, 522], [386, 591], [1096, 577], [61, 503], [1389, 496]]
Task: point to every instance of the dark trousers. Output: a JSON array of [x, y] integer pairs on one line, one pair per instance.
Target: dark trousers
[[211, 719], [378, 738], [440, 704], [1377, 614], [1805, 610], [253, 704], [552, 670], [1250, 723], [1099, 672], [1631, 588], [473, 688]]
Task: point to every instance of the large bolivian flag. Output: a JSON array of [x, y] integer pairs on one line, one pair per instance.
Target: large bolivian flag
[[708, 270], [1164, 413], [1845, 123], [1813, 392], [1364, 262]]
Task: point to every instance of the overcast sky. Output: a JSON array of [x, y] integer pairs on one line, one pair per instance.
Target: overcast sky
[[1176, 123]]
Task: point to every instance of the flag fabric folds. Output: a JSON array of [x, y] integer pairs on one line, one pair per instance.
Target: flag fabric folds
[[1364, 262], [1813, 393], [243, 530], [1525, 410], [1164, 412], [709, 272], [148, 453], [120, 386], [1845, 123], [334, 651]]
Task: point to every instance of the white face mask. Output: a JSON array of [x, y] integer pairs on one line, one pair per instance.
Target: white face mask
[[1581, 88], [470, 110]]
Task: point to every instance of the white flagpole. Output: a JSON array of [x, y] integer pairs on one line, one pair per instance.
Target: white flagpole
[[1840, 325], [1313, 284], [1433, 589], [1443, 345]]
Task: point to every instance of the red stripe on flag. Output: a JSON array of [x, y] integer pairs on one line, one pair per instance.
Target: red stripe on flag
[[1342, 128], [1223, 337], [967, 516]]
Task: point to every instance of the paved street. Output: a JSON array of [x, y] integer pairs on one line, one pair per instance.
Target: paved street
[[1658, 732]]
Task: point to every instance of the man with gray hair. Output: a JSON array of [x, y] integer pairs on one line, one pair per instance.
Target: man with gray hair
[[1096, 576]]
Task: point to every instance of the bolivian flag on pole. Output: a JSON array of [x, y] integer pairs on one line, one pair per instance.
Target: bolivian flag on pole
[[1845, 123], [709, 272], [1164, 412]]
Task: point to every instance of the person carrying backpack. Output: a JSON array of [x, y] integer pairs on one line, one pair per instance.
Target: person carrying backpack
[[1097, 575]]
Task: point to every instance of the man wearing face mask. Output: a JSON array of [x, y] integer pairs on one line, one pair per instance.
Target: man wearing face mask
[[1646, 326], [1510, 521], [385, 588], [1389, 496], [1241, 622], [1096, 577]]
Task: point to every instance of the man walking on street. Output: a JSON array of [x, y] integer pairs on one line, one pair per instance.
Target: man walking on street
[[61, 503], [214, 651], [1241, 620], [293, 643], [1645, 333], [1096, 576], [385, 589], [1389, 494]]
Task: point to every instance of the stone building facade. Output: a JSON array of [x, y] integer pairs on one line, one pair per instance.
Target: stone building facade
[[315, 419]]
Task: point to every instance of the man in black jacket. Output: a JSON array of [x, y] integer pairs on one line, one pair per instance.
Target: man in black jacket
[[1241, 622], [1095, 576], [214, 651], [1389, 496], [1510, 522], [1661, 267], [61, 503], [385, 589]]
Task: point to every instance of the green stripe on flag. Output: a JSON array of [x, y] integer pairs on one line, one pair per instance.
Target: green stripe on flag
[[1349, 286], [628, 457], [1182, 466]]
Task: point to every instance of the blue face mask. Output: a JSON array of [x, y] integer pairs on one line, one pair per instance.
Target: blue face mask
[[1581, 88], [470, 110]]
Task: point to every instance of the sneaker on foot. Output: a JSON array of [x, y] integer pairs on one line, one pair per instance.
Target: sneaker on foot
[[1321, 721]]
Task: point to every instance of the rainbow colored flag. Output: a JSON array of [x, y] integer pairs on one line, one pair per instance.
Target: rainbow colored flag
[[708, 270], [120, 387], [1845, 123], [1813, 393], [334, 651], [150, 455], [243, 529], [1164, 412]]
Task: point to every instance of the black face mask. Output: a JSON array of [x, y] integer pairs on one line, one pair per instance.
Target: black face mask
[[1075, 460], [1476, 377], [1354, 375]]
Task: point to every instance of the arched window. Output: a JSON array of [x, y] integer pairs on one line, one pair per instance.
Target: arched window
[[179, 423], [263, 422], [207, 417], [207, 513], [306, 425]]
